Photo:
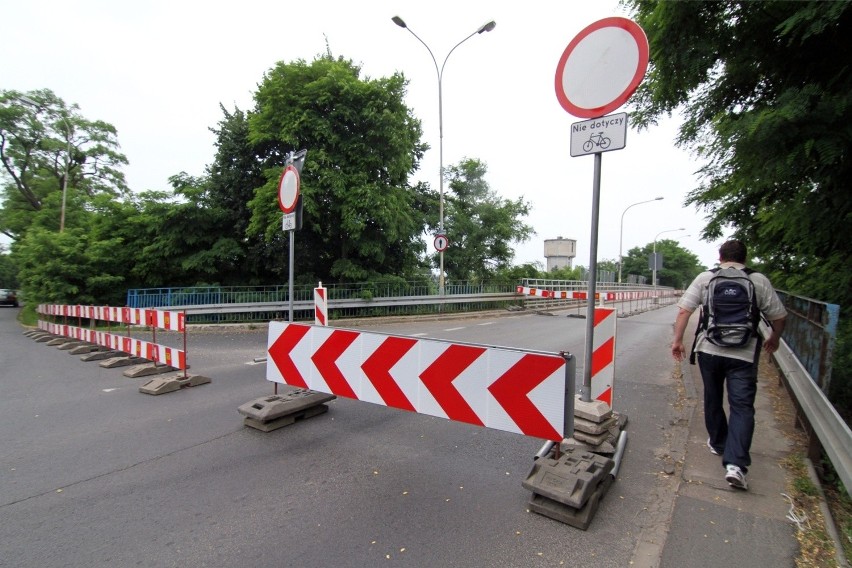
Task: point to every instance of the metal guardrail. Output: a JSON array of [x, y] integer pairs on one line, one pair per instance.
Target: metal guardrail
[[832, 431], [810, 332], [304, 305]]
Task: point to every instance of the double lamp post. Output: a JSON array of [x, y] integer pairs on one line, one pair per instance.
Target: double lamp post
[[440, 71]]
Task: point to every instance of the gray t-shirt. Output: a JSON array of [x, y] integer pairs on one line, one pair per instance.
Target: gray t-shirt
[[767, 301]]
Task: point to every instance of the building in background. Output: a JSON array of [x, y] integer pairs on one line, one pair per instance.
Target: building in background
[[560, 253]]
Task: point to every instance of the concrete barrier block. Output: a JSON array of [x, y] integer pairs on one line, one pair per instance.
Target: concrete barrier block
[[171, 384], [594, 410], [100, 355], [594, 440], [121, 362], [45, 338], [594, 428], [71, 345], [160, 386], [286, 420], [269, 408], [58, 341], [147, 369], [606, 447], [580, 518], [86, 348], [571, 479]]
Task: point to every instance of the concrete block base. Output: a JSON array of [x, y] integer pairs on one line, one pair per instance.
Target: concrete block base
[[595, 410], [286, 420], [58, 341], [571, 479], [68, 346], [147, 369], [85, 348], [100, 355], [578, 518], [172, 384], [121, 362], [269, 408], [45, 338]]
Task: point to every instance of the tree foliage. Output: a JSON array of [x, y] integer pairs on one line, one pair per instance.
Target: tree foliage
[[769, 107], [361, 217], [480, 225], [680, 265], [39, 133], [767, 96]]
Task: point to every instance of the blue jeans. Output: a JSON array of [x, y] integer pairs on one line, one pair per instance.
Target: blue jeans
[[734, 434]]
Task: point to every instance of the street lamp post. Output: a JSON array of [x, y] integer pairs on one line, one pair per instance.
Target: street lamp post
[[654, 272], [67, 125], [440, 71], [621, 233]]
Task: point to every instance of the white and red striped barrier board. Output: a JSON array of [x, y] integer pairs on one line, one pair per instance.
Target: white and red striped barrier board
[[320, 305], [132, 346], [499, 388], [603, 355], [163, 319]]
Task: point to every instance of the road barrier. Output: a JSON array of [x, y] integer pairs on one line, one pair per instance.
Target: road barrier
[[156, 319], [164, 357]]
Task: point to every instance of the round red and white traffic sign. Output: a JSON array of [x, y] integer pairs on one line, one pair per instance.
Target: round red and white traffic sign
[[601, 67], [288, 189], [441, 243]]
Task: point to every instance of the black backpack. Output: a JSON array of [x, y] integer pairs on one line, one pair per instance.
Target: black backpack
[[729, 311]]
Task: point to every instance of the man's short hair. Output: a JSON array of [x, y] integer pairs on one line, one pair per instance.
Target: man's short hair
[[733, 251]]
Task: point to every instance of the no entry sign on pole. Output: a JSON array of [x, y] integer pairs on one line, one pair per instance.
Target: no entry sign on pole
[[288, 189], [601, 67]]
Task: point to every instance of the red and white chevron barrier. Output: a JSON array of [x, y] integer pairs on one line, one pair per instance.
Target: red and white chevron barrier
[[320, 305], [505, 389], [563, 294], [603, 355]]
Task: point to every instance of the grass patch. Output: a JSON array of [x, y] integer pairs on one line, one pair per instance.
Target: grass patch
[[816, 546]]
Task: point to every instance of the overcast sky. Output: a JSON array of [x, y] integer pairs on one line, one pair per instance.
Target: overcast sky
[[158, 70]]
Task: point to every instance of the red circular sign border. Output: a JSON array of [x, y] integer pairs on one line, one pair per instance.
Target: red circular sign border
[[281, 181], [638, 34]]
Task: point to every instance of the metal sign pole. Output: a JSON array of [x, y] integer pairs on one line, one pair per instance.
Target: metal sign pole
[[292, 261], [586, 388]]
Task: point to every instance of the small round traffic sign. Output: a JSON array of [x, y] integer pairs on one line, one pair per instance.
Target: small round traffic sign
[[601, 67], [441, 243], [288, 189]]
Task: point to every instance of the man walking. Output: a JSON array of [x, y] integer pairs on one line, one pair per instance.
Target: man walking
[[722, 362]]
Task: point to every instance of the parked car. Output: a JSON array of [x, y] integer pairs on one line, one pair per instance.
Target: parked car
[[8, 297]]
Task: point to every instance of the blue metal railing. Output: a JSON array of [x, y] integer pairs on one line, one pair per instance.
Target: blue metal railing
[[810, 332]]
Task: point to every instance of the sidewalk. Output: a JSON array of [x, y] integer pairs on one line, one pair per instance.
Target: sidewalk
[[714, 524]]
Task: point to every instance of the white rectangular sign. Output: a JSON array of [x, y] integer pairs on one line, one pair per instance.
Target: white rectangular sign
[[602, 134], [289, 223]]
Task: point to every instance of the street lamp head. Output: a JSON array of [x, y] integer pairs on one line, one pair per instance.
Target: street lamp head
[[487, 27], [399, 21]]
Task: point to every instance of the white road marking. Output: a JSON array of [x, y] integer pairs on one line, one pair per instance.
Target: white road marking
[[110, 390], [454, 329], [486, 323]]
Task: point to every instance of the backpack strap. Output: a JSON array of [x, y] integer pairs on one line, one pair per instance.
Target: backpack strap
[[702, 325]]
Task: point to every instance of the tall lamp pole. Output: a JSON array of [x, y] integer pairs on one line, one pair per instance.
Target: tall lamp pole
[[440, 71], [621, 233], [654, 272], [67, 125]]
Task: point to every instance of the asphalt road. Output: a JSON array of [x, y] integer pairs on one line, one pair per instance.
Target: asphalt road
[[94, 473]]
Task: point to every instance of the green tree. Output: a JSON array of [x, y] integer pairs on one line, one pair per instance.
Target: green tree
[[767, 98], [361, 217], [238, 169], [36, 139], [680, 265], [480, 225]]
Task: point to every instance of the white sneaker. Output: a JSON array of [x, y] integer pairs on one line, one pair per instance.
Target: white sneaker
[[712, 449], [735, 477]]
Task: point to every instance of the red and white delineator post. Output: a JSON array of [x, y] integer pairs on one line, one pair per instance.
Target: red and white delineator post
[[603, 355], [320, 305]]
